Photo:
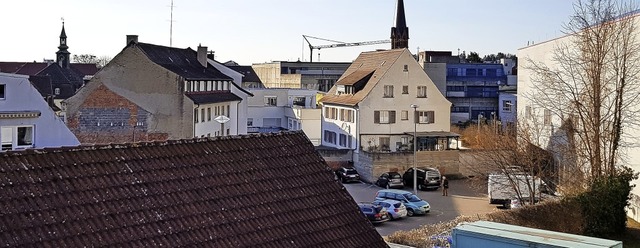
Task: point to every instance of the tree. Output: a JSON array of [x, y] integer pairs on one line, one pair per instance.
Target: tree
[[591, 85], [473, 57], [91, 59]]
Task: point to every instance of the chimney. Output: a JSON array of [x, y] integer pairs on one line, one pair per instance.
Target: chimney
[[202, 55], [131, 37]]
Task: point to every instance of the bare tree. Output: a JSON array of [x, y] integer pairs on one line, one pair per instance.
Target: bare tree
[[591, 85], [92, 59]]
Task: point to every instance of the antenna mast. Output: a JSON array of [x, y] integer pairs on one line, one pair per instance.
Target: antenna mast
[[171, 27]]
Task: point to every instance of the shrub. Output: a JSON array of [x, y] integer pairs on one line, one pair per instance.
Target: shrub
[[604, 204]]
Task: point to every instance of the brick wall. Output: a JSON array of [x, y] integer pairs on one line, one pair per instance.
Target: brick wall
[[105, 117]]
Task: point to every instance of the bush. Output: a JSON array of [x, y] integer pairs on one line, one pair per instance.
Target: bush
[[603, 205]]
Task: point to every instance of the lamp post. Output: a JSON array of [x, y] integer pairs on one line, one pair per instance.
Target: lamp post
[[415, 149]]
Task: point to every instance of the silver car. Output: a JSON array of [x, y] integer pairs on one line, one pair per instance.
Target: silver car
[[395, 209]]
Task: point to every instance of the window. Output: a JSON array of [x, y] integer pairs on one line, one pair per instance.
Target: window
[[16, 137], [270, 101], [422, 91], [425, 117], [2, 91], [228, 110], [249, 122], [343, 140], [404, 140], [331, 113], [195, 116], [209, 114], [56, 91], [202, 115], [388, 91], [404, 115], [384, 143], [405, 68], [506, 105], [299, 101], [527, 112], [384, 117], [346, 115], [547, 117], [271, 122], [330, 137], [405, 89], [222, 110]]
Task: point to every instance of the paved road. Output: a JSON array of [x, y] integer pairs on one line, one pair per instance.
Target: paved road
[[462, 200]]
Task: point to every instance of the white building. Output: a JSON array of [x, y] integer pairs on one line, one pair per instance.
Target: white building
[[26, 119], [369, 108], [549, 122], [273, 110]]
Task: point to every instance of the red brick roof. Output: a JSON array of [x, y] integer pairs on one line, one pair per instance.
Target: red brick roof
[[267, 190]]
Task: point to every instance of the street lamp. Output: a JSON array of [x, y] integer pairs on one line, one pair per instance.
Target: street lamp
[[222, 120], [415, 149]]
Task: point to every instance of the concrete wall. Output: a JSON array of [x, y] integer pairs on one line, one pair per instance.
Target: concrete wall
[[437, 72], [372, 165]]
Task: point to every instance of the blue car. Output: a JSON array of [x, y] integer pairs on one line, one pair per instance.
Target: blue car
[[414, 204]]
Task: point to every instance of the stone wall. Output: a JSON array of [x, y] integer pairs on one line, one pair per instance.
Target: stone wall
[[372, 165]]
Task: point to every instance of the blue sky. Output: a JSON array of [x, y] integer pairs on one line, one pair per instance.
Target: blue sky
[[256, 31]]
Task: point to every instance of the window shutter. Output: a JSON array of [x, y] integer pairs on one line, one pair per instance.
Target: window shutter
[[376, 116], [392, 116], [416, 117], [431, 117]]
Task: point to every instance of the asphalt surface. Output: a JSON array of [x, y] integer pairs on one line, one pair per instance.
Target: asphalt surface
[[463, 199]]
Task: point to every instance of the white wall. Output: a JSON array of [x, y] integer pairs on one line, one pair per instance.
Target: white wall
[[307, 115], [49, 130], [543, 52]]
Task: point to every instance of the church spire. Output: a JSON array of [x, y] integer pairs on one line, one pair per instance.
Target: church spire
[[62, 55], [400, 33]]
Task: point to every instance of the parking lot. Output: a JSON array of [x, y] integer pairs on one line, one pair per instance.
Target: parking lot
[[463, 199]]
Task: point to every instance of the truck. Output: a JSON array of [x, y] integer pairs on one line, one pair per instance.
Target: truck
[[502, 188], [498, 235]]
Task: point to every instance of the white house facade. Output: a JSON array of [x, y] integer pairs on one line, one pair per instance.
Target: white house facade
[[26, 119], [273, 110], [371, 107]]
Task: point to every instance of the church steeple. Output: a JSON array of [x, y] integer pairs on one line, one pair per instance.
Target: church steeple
[[400, 33], [62, 55]]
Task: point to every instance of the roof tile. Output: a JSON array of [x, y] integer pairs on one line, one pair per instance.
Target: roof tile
[[179, 193]]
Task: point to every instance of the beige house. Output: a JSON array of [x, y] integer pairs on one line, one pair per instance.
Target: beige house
[[319, 76], [370, 107]]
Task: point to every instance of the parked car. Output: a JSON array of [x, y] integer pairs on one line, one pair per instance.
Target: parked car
[[396, 209], [428, 178], [375, 213], [414, 204], [390, 180], [346, 175]]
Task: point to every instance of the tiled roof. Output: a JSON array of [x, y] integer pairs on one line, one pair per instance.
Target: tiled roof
[[248, 72], [205, 97], [68, 80], [267, 190], [183, 62], [32, 68], [377, 62]]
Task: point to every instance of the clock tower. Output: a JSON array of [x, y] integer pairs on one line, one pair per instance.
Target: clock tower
[[62, 55]]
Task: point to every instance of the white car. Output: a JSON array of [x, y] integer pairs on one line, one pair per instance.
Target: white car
[[395, 209]]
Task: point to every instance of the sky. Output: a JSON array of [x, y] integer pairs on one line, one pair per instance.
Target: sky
[[258, 31]]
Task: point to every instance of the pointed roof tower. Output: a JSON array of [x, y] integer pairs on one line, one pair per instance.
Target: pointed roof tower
[[400, 33], [62, 55]]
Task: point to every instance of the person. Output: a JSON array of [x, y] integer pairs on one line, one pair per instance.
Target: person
[[445, 186]]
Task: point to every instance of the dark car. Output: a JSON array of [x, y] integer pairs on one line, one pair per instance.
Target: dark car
[[390, 180], [346, 175], [428, 178], [375, 213]]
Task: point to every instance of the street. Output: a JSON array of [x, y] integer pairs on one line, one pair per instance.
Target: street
[[462, 200]]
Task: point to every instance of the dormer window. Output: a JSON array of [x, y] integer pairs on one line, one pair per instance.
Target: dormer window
[[56, 91]]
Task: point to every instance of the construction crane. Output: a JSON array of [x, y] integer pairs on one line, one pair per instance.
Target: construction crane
[[338, 44]]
